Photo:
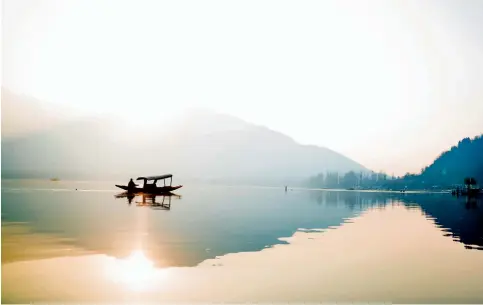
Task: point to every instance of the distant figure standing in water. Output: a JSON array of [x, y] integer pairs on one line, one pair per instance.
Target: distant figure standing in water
[[285, 188]]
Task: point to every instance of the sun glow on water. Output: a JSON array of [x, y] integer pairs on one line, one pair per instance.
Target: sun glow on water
[[136, 271]]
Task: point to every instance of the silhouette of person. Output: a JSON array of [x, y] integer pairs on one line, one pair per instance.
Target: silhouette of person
[[131, 184]]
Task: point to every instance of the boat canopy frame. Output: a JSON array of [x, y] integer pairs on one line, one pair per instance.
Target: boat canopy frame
[[156, 178]]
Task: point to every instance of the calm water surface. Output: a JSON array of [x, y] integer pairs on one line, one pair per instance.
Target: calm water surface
[[237, 244]]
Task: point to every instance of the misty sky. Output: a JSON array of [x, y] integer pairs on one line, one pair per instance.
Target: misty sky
[[390, 84]]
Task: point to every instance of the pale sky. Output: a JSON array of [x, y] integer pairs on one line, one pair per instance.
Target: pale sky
[[390, 84]]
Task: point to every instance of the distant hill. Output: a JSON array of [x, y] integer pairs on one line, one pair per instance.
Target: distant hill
[[198, 146], [452, 166], [23, 115]]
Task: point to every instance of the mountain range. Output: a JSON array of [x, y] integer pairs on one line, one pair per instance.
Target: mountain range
[[41, 142], [451, 167]]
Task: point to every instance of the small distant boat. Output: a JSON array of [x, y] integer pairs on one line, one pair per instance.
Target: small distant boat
[[152, 188]]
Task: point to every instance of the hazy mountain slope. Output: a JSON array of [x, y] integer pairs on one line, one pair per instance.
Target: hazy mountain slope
[[220, 147], [201, 145], [452, 166], [22, 115], [449, 168]]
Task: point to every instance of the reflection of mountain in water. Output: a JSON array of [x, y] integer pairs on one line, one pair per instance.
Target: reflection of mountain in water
[[353, 200], [212, 222], [204, 224], [463, 220]]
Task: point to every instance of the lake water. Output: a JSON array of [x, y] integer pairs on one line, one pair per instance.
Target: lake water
[[78, 242]]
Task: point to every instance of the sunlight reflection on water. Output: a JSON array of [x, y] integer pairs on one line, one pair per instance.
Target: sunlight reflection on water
[[240, 244], [136, 271]]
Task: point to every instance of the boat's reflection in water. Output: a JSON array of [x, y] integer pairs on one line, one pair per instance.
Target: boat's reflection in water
[[163, 201]]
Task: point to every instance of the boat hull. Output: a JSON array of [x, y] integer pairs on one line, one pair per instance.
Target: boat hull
[[157, 190]]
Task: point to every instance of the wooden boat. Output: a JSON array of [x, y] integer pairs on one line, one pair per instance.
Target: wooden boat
[[152, 188]]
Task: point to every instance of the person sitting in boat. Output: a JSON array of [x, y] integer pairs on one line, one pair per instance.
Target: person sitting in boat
[[131, 184]]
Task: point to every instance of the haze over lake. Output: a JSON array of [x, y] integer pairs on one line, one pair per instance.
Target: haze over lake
[[237, 243]]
